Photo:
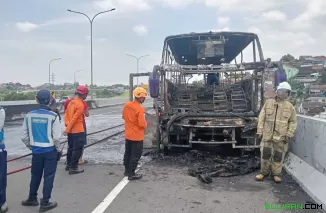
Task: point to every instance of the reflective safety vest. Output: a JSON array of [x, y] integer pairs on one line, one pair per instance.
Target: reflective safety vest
[[2, 133], [2, 119], [38, 130]]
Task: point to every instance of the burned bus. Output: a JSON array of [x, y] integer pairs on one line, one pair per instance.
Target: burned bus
[[205, 93]]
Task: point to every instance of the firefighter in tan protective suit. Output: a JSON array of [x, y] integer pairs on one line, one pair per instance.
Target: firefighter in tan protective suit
[[276, 125]]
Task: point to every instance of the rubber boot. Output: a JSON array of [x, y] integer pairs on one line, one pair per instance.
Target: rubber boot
[[30, 202], [47, 206], [4, 208], [277, 179], [75, 171], [260, 177], [135, 177]]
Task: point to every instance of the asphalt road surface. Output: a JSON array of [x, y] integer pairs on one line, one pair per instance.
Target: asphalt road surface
[[164, 188]]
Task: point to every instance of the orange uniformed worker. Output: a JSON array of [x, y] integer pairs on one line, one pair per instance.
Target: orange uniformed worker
[[75, 128], [135, 124]]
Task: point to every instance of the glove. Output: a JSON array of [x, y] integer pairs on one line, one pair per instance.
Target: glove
[[59, 156]]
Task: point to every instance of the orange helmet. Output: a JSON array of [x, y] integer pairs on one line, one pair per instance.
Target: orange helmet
[[140, 92]]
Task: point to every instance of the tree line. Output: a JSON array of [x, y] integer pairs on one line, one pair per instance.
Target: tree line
[[19, 96]]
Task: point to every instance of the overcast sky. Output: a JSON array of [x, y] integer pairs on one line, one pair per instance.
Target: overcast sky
[[35, 31]]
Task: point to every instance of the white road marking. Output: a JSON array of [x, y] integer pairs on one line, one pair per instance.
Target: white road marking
[[113, 194]]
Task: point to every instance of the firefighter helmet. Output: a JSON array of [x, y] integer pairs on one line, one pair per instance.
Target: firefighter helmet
[[140, 92], [284, 85]]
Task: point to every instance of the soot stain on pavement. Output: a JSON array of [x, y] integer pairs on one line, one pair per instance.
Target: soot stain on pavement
[[290, 192], [231, 168], [206, 165]]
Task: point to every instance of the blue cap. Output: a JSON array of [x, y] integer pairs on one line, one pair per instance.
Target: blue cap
[[44, 97]]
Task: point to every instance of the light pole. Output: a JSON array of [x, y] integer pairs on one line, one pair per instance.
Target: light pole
[[137, 62], [91, 23], [55, 59], [75, 78]]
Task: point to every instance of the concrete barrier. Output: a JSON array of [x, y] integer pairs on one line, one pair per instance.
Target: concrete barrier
[[99, 103], [17, 110], [90, 104], [306, 160], [13, 111]]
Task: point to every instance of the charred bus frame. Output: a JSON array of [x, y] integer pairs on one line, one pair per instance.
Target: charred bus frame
[[182, 125]]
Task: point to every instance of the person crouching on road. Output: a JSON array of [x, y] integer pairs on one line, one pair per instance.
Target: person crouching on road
[[277, 123], [3, 164], [41, 133], [74, 121], [135, 124], [86, 114]]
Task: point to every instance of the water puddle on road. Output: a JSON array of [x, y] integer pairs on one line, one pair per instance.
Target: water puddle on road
[[206, 165]]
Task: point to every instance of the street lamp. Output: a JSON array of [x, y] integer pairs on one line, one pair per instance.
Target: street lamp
[[91, 23], [137, 62], [75, 77], [55, 59]]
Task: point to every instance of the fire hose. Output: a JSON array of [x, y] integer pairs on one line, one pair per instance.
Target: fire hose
[[92, 144], [63, 142]]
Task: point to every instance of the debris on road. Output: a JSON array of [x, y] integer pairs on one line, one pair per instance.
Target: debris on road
[[206, 165]]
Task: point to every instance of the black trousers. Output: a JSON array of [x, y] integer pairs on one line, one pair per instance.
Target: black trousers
[[44, 164], [133, 152], [76, 142]]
